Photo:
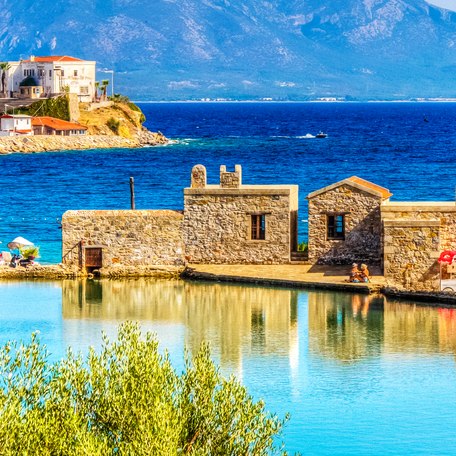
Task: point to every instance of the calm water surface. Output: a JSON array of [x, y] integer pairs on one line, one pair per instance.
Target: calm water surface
[[359, 374], [387, 143]]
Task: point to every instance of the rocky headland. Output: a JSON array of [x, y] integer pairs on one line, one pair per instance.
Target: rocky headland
[[43, 143], [109, 124]]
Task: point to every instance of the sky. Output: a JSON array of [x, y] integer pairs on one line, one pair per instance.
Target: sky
[[447, 4]]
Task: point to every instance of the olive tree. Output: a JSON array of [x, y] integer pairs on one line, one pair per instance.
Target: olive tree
[[126, 400]]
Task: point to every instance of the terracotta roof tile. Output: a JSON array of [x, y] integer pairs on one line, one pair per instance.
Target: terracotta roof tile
[[384, 191], [56, 124], [55, 58]]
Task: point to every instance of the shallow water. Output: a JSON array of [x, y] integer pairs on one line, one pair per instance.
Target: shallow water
[[359, 374]]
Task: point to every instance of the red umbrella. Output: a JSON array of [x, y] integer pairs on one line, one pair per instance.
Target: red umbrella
[[447, 256]]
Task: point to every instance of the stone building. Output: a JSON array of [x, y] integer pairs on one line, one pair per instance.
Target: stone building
[[354, 220], [226, 223], [105, 239], [414, 234], [234, 223], [345, 222]]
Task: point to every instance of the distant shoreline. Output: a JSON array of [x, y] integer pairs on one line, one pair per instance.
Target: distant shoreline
[[440, 100]]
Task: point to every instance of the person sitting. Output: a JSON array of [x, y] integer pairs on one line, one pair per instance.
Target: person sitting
[[364, 273], [354, 274]]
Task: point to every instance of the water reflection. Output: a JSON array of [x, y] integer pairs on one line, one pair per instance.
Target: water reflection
[[345, 327], [237, 320], [349, 328], [244, 321], [416, 328]]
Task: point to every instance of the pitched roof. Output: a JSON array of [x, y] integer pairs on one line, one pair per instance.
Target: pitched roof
[[54, 58], [56, 124], [356, 182], [384, 191], [15, 116]]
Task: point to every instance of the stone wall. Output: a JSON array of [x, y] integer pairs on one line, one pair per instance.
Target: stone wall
[[414, 235], [128, 238], [217, 221], [362, 241]]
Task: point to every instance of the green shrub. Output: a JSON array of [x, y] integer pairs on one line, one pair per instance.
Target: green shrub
[[303, 247], [113, 125], [32, 250], [54, 107], [126, 400]]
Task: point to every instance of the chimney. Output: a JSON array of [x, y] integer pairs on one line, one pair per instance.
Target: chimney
[[32, 58]]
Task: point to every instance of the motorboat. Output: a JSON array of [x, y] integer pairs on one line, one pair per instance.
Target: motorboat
[[321, 135]]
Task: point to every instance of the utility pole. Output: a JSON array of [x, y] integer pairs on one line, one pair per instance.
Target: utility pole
[[132, 193]]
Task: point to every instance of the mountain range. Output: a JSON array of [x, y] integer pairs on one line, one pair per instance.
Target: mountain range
[[246, 49]]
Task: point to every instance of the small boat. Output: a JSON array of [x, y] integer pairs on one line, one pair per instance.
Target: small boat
[[321, 135]]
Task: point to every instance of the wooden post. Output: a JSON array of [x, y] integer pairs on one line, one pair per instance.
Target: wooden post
[[132, 193]]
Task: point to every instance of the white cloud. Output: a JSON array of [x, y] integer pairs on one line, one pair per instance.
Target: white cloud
[[445, 4], [285, 84], [176, 85], [246, 82], [217, 85], [53, 43]]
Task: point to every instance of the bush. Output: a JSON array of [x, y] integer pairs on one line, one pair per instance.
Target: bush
[[126, 400], [113, 125], [54, 107], [303, 247], [32, 250]]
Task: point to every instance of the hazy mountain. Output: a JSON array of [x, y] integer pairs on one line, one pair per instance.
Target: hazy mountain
[[294, 49]]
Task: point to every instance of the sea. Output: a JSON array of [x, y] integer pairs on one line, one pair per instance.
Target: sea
[[406, 147], [364, 375]]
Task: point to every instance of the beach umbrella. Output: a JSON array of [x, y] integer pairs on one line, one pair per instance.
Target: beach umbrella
[[18, 242]]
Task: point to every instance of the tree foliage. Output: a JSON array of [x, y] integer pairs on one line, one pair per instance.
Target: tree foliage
[[126, 400], [54, 107]]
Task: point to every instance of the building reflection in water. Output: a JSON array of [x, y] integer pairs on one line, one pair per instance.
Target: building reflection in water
[[346, 327], [238, 320], [248, 321], [350, 328]]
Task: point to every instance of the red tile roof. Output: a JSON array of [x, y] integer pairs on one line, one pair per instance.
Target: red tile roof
[[55, 58], [56, 124], [384, 191]]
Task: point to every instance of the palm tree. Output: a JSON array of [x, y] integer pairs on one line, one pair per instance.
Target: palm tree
[[104, 87], [97, 85], [4, 66]]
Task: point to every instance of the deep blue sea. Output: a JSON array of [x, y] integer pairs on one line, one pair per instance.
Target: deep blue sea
[[406, 147]]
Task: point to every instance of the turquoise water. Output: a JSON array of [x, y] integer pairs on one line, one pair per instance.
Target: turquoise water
[[359, 374]]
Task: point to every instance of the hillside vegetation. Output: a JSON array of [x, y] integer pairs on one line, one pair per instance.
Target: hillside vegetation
[[120, 118]]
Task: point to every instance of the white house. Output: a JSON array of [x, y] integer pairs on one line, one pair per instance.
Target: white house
[[15, 125], [52, 75]]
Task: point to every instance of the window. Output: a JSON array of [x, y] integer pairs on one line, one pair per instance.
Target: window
[[75, 73], [258, 229], [336, 226], [50, 73]]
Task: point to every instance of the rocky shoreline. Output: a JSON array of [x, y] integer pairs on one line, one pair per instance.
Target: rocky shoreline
[[44, 143]]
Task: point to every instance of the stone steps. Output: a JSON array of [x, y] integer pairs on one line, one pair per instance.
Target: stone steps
[[299, 258]]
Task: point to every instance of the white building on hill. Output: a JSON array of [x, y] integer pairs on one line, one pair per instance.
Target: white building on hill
[[52, 75], [15, 125]]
